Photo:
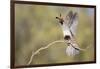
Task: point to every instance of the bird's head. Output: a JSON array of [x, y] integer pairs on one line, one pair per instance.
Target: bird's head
[[69, 19], [61, 20]]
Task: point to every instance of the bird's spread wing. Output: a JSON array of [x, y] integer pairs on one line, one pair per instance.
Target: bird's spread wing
[[73, 23], [68, 18]]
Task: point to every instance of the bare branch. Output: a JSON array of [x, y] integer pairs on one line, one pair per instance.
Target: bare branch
[[42, 48]]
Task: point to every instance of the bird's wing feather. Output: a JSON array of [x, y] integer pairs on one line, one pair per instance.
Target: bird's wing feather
[[73, 24]]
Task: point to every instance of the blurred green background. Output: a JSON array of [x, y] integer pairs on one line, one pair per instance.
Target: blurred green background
[[36, 27]]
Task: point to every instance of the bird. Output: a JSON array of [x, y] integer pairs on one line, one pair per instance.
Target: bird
[[68, 25]]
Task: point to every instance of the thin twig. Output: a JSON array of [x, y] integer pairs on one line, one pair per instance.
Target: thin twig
[[42, 48]]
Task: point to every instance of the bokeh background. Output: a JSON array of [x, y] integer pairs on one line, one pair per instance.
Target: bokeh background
[[36, 26]]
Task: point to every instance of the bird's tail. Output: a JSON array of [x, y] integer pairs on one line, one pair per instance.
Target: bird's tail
[[72, 48], [72, 51]]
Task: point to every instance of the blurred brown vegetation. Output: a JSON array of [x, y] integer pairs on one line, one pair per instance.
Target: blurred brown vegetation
[[36, 27]]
